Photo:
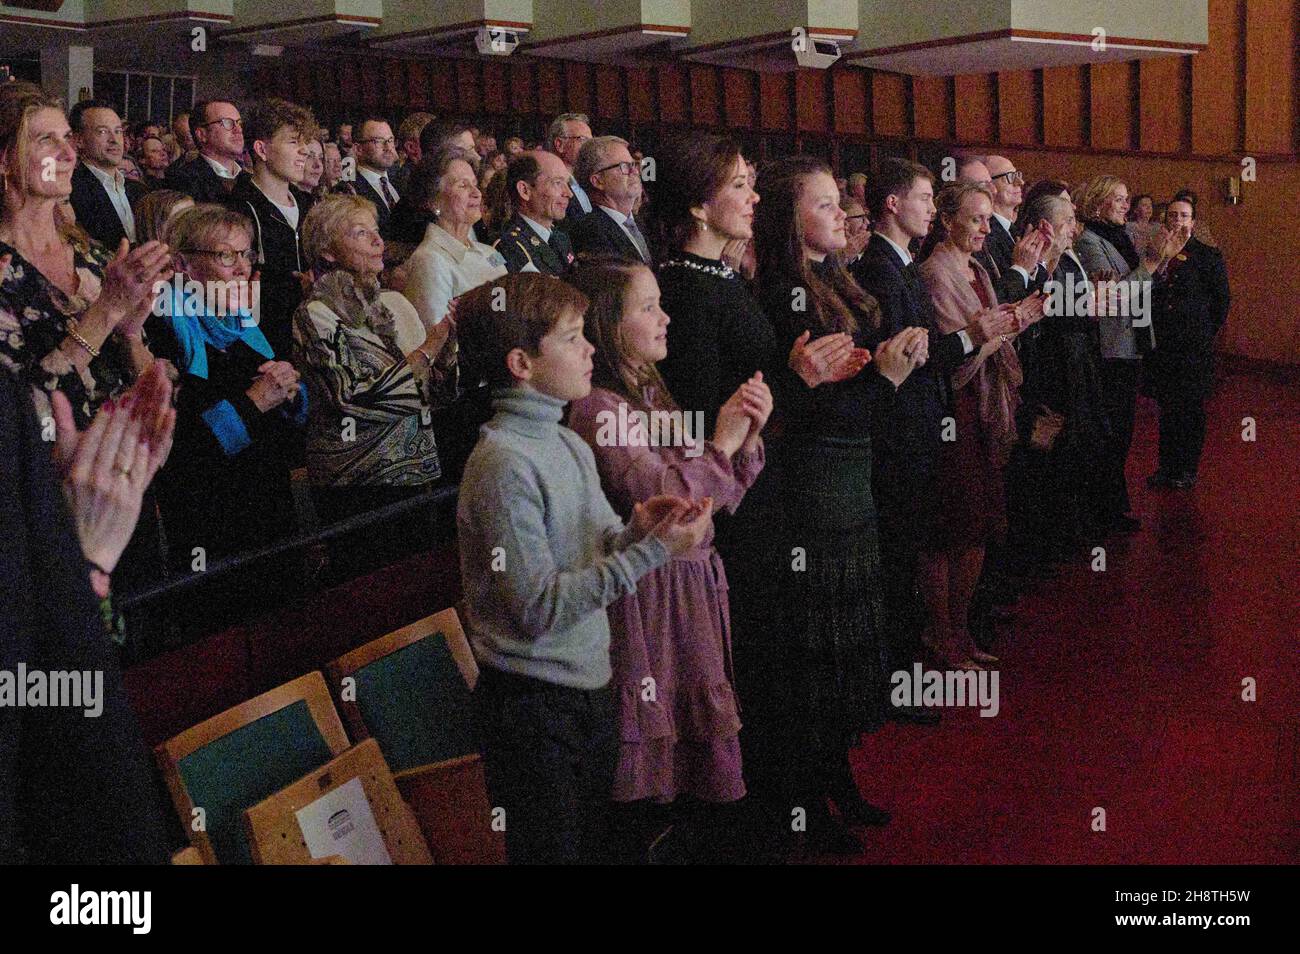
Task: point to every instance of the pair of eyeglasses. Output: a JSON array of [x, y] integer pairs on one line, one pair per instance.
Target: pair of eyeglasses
[[226, 256], [1014, 176], [227, 123], [626, 168], [389, 141], [579, 138], [860, 215]]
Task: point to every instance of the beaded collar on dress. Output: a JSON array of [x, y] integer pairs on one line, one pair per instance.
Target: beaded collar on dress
[[697, 264]]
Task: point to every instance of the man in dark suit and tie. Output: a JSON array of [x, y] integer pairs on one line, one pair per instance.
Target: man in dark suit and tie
[[375, 150], [102, 196], [906, 443], [613, 179], [538, 186], [566, 135], [1015, 268], [211, 175]]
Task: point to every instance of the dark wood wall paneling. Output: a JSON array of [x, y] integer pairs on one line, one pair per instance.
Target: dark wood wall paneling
[[1237, 95], [740, 98]]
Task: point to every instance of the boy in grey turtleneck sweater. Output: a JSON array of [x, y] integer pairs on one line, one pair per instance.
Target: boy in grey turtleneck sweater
[[542, 555]]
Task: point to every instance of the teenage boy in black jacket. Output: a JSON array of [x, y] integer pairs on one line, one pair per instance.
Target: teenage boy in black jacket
[[278, 132]]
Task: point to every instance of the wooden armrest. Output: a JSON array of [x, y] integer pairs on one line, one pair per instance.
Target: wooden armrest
[[189, 855], [450, 802]]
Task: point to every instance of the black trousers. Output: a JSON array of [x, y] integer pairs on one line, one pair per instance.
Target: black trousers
[[549, 753], [1034, 507], [1119, 381], [904, 614], [1182, 431]]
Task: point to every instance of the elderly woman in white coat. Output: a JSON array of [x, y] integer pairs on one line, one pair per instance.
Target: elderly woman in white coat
[[448, 262]]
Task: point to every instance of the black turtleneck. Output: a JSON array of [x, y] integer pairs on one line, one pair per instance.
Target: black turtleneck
[[1118, 236]]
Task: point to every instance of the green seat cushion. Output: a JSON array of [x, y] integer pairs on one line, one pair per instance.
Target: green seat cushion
[[416, 705], [235, 772]]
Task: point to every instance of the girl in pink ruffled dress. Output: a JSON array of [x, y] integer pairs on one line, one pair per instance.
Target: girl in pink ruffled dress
[[671, 639]]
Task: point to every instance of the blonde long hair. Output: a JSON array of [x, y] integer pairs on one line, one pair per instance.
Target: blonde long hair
[[19, 101]]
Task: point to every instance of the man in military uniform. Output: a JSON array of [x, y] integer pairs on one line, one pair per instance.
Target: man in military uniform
[[538, 185]]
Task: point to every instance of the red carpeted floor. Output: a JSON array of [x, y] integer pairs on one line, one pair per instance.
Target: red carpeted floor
[[1122, 689]]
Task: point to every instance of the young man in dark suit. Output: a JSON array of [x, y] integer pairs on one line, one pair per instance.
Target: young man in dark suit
[[212, 174], [905, 445], [538, 186], [613, 181], [102, 196]]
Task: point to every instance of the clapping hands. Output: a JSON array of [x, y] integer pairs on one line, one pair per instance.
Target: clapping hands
[[1029, 311], [990, 324], [1030, 249], [829, 359], [1165, 245], [743, 415], [129, 280], [106, 469], [276, 383], [678, 523], [898, 356]]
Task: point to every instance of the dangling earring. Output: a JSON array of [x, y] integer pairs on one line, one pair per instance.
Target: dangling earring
[[704, 226]]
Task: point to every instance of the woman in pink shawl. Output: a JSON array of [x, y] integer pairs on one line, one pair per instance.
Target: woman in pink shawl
[[985, 394]]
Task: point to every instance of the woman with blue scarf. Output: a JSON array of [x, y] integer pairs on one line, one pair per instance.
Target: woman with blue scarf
[[226, 487]]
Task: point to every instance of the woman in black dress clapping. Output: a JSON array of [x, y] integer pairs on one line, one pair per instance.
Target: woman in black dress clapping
[[824, 644], [717, 338]]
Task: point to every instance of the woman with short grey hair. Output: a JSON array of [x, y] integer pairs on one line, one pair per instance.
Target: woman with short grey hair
[[449, 261]]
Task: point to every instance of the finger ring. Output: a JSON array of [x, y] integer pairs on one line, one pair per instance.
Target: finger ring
[[124, 471]]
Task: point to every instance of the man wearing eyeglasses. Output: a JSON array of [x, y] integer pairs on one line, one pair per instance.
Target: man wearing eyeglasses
[[567, 134], [1015, 268], [614, 182], [212, 174], [102, 196], [375, 150]]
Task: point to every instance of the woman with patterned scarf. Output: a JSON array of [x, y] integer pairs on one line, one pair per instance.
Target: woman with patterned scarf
[[372, 371]]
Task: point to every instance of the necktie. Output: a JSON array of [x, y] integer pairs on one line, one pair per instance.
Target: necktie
[[560, 248], [637, 238], [390, 198]]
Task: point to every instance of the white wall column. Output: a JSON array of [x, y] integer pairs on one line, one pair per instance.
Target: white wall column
[[66, 70]]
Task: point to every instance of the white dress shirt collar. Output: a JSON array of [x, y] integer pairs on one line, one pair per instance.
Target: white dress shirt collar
[[373, 177], [901, 252], [579, 193], [613, 213], [114, 180], [221, 170], [542, 231], [114, 184]]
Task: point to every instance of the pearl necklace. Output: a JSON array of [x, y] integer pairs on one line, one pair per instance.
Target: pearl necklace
[[721, 270]]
